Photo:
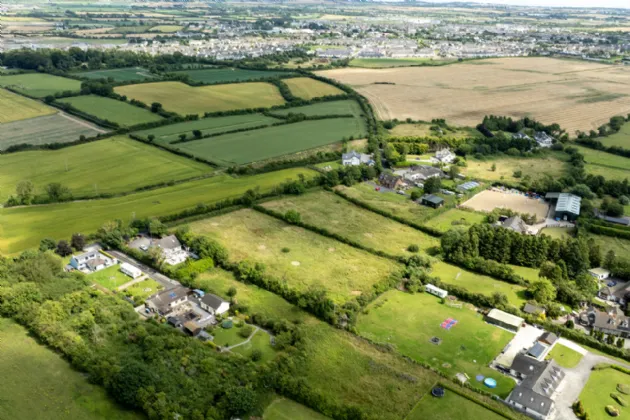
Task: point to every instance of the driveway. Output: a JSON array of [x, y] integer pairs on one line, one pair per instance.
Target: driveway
[[167, 282]]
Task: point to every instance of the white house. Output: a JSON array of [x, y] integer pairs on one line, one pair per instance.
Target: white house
[[599, 273], [422, 173], [355, 159], [172, 249], [445, 156], [130, 270], [429, 288], [214, 304], [543, 139], [90, 261]]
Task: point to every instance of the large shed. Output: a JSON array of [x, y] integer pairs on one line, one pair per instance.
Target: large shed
[[567, 206], [505, 320]]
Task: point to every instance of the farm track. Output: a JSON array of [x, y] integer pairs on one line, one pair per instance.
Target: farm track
[[83, 123]]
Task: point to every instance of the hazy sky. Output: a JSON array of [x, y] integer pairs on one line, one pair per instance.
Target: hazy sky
[[561, 3]]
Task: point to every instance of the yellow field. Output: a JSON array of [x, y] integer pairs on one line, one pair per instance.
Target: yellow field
[[14, 107], [166, 28], [575, 94], [183, 99], [307, 88]]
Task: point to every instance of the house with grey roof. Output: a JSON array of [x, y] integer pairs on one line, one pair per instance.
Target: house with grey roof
[[165, 302], [214, 304], [516, 224], [543, 139], [89, 262], [355, 159], [612, 322]]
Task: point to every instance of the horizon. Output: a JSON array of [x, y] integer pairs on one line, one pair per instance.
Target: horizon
[[609, 4]]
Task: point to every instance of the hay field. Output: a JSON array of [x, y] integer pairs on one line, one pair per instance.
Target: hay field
[[605, 164], [120, 112], [14, 107], [574, 94], [218, 75], [489, 200], [39, 84], [183, 99], [350, 107], [119, 75], [166, 28], [307, 88]]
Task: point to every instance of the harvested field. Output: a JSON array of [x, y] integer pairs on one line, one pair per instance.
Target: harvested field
[[14, 107], [307, 88], [183, 99], [382, 63], [490, 199], [166, 28], [39, 84], [228, 75], [350, 107], [120, 112], [575, 94], [127, 74]]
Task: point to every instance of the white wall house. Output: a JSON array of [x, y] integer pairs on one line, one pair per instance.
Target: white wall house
[[355, 159], [214, 304]]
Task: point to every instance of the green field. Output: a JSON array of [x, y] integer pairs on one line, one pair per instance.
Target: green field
[[23, 227], [337, 215], [110, 278], [43, 130], [606, 164], [307, 88], [261, 340], [283, 409], [409, 322], [620, 246], [127, 74], [620, 139], [112, 110], [311, 261], [455, 218], [169, 133], [506, 166], [183, 99], [166, 28], [38, 384], [596, 394], [14, 107], [564, 356], [559, 233], [139, 292], [379, 63], [39, 84], [267, 143], [451, 407], [349, 107], [113, 165], [222, 75]]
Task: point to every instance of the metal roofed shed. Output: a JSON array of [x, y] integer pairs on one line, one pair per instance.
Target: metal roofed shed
[[537, 350], [567, 206], [505, 320], [431, 200], [467, 186]]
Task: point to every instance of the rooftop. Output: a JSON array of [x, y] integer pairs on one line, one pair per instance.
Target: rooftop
[[568, 203], [505, 317], [432, 199]]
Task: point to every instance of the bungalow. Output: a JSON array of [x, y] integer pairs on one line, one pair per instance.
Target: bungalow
[[431, 200], [355, 159], [599, 273], [391, 181], [214, 304], [172, 249], [165, 302], [422, 173], [90, 261]]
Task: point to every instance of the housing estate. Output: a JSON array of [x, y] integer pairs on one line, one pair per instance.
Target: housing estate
[[355, 159], [90, 261]]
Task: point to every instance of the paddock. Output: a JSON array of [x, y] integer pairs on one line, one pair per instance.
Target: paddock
[[491, 199]]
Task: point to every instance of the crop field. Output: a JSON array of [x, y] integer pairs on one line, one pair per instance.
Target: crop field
[[283, 409], [309, 260], [169, 133], [113, 165], [38, 384], [455, 218], [424, 130], [307, 88], [183, 99], [578, 95], [349, 106], [56, 128], [220, 75], [409, 321], [596, 394], [109, 109], [620, 139], [506, 166], [266, 143], [128, 74], [166, 28], [606, 164], [39, 84], [489, 200], [326, 210], [449, 407], [14, 107], [23, 227], [383, 63]]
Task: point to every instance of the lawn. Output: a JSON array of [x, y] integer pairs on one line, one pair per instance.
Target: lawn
[[127, 74], [213, 125], [606, 164], [455, 218], [409, 321], [112, 110], [326, 210], [307, 88], [378, 63], [450, 407], [38, 384], [596, 394], [478, 283], [166, 28], [620, 139], [220, 75], [506, 166], [14, 107], [619, 246], [139, 292], [110, 278], [349, 107], [308, 261], [183, 99], [283, 409], [266, 143], [23, 227], [53, 128], [558, 233], [39, 84], [110, 166], [260, 341], [564, 356]]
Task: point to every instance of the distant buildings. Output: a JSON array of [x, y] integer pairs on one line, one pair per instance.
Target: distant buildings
[[445, 156]]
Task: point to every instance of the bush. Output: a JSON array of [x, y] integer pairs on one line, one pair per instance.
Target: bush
[[612, 411], [413, 248], [623, 388], [570, 324], [245, 331], [621, 400], [285, 250], [256, 355]]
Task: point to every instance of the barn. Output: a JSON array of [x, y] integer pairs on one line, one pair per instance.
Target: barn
[[567, 206]]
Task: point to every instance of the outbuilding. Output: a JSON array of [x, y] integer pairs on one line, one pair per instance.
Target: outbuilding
[[505, 320], [567, 206], [130, 270], [431, 200], [599, 273], [214, 304], [429, 288]]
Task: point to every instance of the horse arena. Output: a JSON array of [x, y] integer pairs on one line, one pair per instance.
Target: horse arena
[[489, 200]]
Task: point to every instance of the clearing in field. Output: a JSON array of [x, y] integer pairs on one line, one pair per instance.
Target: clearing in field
[[578, 95], [266, 143], [283, 409], [307, 88], [596, 395], [183, 99], [410, 321], [112, 110], [23, 227], [506, 166], [455, 218], [346, 107], [14, 107], [222, 75], [301, 258], [55, 128], [337, 215], [128, 74], [619, 139], [212, 125], [489, 200], [39, 84], [109, 166], [57, 390], [606, 164], [451, 406]]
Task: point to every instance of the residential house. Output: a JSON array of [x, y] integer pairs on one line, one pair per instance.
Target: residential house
[[391, 181], [165, 302], [214, 304], [533, 309], [421, 173], [516, 224], [599, 273], [613, 322], [537, 350], [521, 136], [90, 261], [504, 320], [431, 200], [445, 156], [543, 139], [355, 159], [172, 249]]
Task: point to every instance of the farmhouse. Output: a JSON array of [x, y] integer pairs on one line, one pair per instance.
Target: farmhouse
[[431, 200], [214, 304], [504, 320], [172, 249], [422, 173], [90, 261], [445, 156], [167, 301], [130, 270], [567, 205], [390, 181], [355, 159], [429, 288], [516, 224], [543, 139], [599, 273]]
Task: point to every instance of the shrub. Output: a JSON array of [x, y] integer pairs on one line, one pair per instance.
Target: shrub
[[623, 388], [570, 324], [246, 331], [612, 411], [621, 400], [413, 248], [256, 355], [285, 250]]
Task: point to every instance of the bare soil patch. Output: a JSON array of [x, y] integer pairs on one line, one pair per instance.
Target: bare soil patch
[[489, 200]]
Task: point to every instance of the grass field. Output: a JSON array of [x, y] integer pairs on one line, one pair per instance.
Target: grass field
[[127, 74], [409, 321], [39, 84], [451, 407], [307, 88], [109, 109], [54, 128], [38, 384], [326, 210], [621, 139], [619, 246], [381, 63], [14, 107], [166, 28], [110, 278], [183, 99], [283, 409], [596, 394], [506, 166], [260, 341], [311, 261], [113, 165], [267, 143], [455, 218], [325, 108], [559, 233], [564, 356], [139, 292], [23, 227], [606, 164], [424, 130], [228, 75], [212, 125]]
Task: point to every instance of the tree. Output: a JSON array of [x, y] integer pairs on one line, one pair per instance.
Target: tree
[[245, 331], [157, 228], [156, 107], [415, 195], [47, 244], [24, 191], [57, 192], [542, 291], [517, 174], [413, 248], [232, 292], [493, 168], [570, 324], [292, 216], [615, 209], [256, 355], [182, 137], [63, 248], [620, 342], [609, 262], [239, 400], [583, 191], [432, 185], [197, 134], [453, 171], [78, 241], [151, 137]]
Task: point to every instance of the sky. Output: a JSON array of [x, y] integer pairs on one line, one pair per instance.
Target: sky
[[556, 3]]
